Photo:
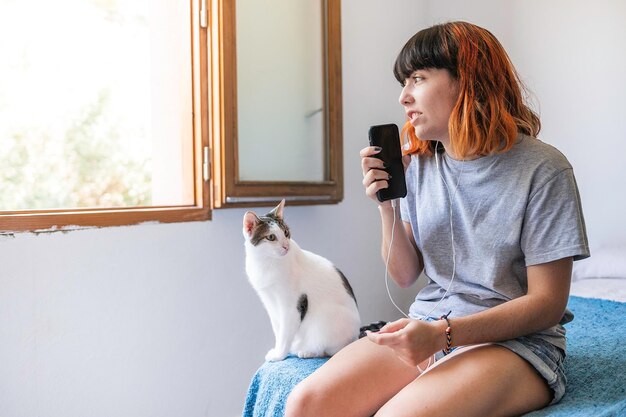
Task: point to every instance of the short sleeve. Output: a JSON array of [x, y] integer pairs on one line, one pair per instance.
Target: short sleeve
[[554, 226]]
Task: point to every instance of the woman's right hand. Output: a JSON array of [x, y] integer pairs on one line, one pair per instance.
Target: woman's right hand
[[375, 177]]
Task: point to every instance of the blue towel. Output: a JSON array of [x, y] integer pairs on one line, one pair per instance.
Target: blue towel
[[595, 367], [273, 382]]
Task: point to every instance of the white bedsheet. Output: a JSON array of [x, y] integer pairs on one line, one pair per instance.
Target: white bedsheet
[[606, 288], [603, 275]]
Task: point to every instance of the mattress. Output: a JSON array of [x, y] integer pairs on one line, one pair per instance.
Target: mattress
[[605, 288], [603, 275]]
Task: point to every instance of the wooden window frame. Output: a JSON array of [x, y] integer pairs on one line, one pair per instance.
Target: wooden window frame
[[215, 137], [39, 220], [228, 190]]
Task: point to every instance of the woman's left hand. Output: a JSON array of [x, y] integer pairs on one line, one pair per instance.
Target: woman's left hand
[[413, 341]]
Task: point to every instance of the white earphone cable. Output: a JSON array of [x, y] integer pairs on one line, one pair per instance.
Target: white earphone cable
[[431, 359], [393, 227], [450, 198]]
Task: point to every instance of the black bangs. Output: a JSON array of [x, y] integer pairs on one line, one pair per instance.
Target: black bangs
[[428, 48]]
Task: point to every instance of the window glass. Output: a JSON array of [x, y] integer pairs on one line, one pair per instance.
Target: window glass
[[95, 104]]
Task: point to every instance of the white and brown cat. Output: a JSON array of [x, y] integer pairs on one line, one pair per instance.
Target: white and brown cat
[[311, 304]]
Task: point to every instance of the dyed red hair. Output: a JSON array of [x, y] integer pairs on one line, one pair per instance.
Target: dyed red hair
[[490, 110]]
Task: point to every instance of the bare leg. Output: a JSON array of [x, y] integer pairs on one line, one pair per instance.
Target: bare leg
[[484, 380], [357, 381]]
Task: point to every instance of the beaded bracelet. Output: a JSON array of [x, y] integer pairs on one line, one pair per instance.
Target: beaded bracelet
[[448, 347]]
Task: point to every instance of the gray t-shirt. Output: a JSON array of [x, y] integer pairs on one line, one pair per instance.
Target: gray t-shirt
[[510, 211]]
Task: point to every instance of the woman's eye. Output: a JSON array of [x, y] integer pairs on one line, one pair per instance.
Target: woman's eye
[[415, 78], [271, 237]]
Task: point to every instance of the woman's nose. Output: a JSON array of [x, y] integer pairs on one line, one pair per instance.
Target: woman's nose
[[405, 98]]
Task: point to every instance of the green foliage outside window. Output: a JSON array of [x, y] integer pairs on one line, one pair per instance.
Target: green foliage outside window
[[84, 167], [74, 107]]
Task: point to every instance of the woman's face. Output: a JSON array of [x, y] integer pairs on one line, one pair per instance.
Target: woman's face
[[428, 97]]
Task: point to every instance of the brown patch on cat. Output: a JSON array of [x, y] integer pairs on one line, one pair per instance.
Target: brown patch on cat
[[269, 219], [262, 225], [259, 233]]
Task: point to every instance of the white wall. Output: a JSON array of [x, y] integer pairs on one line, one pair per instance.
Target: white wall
[[158, 320]]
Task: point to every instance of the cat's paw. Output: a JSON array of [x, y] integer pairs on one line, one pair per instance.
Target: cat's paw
[[305, 354], [274, 355]]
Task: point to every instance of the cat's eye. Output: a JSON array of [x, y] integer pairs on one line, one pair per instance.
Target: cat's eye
[[287, 234], [271, 237]]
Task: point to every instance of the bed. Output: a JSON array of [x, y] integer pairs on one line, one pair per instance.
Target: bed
[[595, 365]]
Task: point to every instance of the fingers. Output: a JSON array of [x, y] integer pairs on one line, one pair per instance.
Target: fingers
[[368, 159], [383, 339], [371, 188], [394, 326], [370, 151], [391, 334], [375, 177], [409, 339]]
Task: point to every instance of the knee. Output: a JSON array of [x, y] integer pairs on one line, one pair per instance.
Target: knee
[[303, 402]]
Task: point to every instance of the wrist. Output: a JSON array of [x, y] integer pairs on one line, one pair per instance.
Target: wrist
[[448, 333], [386, 209], [440, 335]]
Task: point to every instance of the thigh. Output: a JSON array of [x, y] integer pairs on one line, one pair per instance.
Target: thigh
[[485, 380], [356, 381]]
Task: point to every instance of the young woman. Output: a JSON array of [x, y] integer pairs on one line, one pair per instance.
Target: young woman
[[493, 219]]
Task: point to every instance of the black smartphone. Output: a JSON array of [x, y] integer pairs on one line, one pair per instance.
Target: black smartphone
[[388, 139]]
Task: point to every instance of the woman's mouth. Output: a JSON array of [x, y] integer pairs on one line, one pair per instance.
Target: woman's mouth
[[413, 115]]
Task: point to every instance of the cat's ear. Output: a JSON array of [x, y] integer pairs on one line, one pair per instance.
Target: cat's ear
[[250, 220], [278, 210]]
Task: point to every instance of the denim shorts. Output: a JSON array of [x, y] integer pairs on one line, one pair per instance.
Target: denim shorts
[[546, 358]]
